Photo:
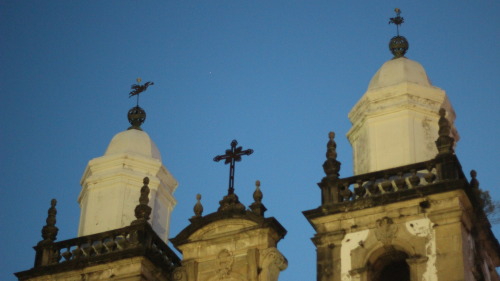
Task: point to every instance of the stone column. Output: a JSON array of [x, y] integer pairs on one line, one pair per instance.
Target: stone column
[[417, 267], [328, 255]]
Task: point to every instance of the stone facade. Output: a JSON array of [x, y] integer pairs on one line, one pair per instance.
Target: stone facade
[[233, 245], [417, 222], [433, 240]]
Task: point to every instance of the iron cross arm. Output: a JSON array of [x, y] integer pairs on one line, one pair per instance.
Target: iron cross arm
[[232, 156]]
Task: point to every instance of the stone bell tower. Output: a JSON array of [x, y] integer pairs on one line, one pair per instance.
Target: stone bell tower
[[126, 201], [395, 121], [409, 213], [110, 182]]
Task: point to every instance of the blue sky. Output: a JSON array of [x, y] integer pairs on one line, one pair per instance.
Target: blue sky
[[275, 75]]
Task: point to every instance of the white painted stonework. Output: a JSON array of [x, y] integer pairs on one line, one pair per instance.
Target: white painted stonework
[[350, 242], [396, 121], [424, 228], [111, 186]]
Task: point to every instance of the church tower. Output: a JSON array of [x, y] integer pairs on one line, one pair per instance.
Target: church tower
[[110, 182], [395, 121], [408, 213], [126, 202]]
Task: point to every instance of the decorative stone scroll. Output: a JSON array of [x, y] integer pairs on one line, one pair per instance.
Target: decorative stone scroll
[[272, 264], [179, 274]]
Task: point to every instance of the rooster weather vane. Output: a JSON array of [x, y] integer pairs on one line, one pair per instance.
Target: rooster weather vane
[[137, 115], [138, 88]]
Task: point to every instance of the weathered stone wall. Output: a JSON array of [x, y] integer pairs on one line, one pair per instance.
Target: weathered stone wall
[[231, 249], [433, 238]]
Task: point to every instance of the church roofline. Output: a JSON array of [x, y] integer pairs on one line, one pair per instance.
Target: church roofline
[[199, 222]]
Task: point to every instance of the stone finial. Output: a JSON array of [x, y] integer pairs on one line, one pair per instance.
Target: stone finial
[[331, 165], [257, 207], [257, 194], [444, 124], [49, 231], [143, 211], [231, 203], [474, 183], [329, 184], [444, 142], [198, 208]]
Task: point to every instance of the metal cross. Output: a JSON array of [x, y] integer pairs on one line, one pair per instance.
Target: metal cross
[[232, 156]]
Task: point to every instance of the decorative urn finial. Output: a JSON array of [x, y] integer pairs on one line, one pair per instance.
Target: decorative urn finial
[[198, 208], [331, 166], [329, 184], [444, 143], [137, 115], [398, 44], [257, 207], [49, 231], [474, 183], [143, 211]]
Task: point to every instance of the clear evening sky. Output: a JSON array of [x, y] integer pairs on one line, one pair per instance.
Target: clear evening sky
[[275, 75]]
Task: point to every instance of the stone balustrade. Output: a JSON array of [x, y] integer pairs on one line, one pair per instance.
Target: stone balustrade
[[134, 240], [387, 181]]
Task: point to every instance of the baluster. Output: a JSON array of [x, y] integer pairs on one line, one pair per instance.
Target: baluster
[[346, 193], [110, 245], [121, 242], [386, 184], [87, 249], [77, 252], [359, 190], [414, 179], [400, 182], [98, 247], [430, 177], [372, 187], [56, 256], [67, 255]]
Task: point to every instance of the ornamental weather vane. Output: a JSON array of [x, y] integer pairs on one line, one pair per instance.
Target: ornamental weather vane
[[232, 156], [137, 115], [398, 20], [138, 88], [398, 44]]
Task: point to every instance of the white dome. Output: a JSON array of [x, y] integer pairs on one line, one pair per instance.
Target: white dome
[[133, 142], [397, 71]]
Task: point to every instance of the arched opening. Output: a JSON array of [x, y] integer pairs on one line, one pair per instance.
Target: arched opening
[[392, 266]]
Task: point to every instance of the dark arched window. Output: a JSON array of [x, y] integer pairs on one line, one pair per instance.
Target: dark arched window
[[391, 266]]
